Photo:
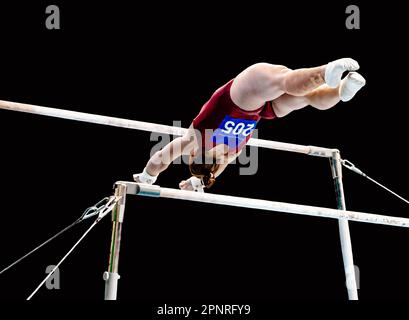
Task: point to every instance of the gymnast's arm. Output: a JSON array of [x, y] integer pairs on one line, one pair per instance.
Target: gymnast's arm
[[227, 160], [161, 159]]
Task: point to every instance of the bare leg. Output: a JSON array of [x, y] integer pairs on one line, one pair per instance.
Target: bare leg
[[321, 98], [324, 97], [302, 81], [263, 82]]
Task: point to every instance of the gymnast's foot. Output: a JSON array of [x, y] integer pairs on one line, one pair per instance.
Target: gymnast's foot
[[350, 85], [335, 69]]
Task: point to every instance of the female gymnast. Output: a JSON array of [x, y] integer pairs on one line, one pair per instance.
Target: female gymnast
[[227, 120]]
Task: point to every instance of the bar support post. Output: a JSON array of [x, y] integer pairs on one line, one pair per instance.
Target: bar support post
[[111, 276], [345, 237]]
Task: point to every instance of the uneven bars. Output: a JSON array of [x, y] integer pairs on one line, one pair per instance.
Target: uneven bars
[[157, 191], [153, 127]]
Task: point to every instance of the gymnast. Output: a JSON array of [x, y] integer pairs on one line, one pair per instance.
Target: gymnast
[[227, 120]]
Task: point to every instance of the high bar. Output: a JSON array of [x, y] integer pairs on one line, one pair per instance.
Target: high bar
[[157, 191], [153, 127]]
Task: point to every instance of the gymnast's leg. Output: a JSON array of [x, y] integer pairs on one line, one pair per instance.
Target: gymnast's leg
[[322, 98], [265, 82]]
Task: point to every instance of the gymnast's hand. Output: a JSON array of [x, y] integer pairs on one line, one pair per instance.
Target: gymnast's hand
[[186, 185], [192, 184], [144, 177]]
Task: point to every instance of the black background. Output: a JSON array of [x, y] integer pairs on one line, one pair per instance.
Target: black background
[[158, 63]]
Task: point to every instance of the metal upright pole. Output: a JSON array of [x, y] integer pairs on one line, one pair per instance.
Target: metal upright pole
[[344, 234], [111, 276]]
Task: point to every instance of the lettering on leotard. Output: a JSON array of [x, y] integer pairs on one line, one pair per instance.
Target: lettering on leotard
[[233, 131]]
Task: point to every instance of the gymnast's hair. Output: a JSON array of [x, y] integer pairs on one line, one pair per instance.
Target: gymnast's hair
[[204, 168]]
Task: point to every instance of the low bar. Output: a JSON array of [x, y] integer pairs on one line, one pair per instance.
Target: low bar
[[152, 127], [157, 191]]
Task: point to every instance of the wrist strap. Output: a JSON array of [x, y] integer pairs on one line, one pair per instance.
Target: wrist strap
[[145, 177], [196, 184]]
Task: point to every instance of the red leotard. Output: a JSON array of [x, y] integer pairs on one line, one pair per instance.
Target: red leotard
[[221, 115]]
